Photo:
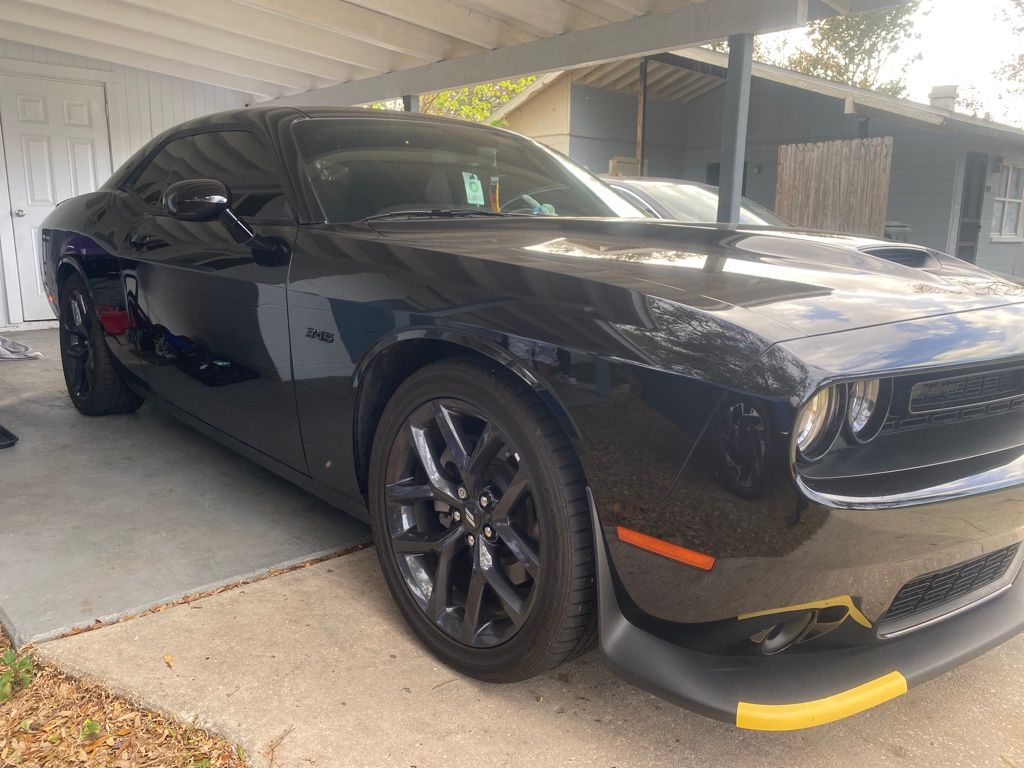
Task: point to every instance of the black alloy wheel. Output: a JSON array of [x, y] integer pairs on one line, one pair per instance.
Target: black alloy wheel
[[743, 448], [94, 383], [481, 522], [462, 522], [75, 344]]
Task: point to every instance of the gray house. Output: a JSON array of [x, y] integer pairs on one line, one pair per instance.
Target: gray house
[[956, 182]]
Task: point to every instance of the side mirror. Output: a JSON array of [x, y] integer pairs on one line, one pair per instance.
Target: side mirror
[[196, 199]]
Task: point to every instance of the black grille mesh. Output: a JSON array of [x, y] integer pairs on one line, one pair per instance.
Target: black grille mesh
[[935, 589], [895, 423]]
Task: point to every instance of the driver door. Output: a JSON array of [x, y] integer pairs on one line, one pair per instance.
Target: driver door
[[210, 314]]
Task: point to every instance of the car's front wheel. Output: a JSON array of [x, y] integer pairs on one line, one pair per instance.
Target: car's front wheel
[[94, 384], [481, 522]]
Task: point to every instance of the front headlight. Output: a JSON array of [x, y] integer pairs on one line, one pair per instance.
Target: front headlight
[[819, 422], [869, 405]]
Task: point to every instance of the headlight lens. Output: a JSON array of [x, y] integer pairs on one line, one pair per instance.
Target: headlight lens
[[869, 405], [817, 425]]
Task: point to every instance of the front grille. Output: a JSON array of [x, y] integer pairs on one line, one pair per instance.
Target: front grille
[[960, 391], [936, 589], [894, 422]]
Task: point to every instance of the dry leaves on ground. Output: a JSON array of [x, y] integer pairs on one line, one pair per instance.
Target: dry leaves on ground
[[58, 721]]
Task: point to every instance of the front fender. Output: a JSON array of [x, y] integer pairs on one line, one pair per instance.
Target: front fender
[[482, 342]]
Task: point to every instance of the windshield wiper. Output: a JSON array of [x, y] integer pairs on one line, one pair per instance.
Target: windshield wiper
[[449, 213]]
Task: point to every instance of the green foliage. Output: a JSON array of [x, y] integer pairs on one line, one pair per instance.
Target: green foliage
[[14, 673], [1013, 70], [970, 102], [855, 49], [476, 102], [90, 729]]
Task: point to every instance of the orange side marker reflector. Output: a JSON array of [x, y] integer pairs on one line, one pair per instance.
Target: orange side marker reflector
[[663, 548]]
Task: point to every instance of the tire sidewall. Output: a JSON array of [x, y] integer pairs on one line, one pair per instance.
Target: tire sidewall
[[72, 284], [503, 406]]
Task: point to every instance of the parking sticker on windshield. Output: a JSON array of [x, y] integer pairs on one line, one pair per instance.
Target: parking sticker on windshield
[[474, 191]]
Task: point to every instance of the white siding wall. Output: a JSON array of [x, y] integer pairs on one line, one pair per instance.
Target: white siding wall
[[153, 103], [545, 116]]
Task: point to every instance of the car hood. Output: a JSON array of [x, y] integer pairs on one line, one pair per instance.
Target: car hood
[[787, 283]]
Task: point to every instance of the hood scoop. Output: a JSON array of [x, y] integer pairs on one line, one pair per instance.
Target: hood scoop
[[907, 257]]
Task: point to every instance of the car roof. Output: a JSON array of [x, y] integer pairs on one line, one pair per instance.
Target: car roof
[[261, 113], [655, 179]]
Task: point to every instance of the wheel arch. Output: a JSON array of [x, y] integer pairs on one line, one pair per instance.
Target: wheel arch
[[68, 250], [392, 360], [66, 267]]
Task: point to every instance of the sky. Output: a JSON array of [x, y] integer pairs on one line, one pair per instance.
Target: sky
[[961, 42]]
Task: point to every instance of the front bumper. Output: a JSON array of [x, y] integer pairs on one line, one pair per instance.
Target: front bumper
[[799, 690]]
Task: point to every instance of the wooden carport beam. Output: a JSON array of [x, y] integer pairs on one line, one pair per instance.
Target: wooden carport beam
[[681, 62], [78, 46], [644, 35], [839, 6], [635, 7], [641, 118], [693, 24]]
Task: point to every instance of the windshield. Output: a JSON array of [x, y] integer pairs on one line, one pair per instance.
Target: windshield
[[363, 167], [698, 203]]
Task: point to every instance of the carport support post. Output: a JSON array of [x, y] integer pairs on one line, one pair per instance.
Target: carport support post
[[734, 127], [641, 120]]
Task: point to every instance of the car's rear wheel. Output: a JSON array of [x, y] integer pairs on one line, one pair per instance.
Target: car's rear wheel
[[94, 384], [481, 522]]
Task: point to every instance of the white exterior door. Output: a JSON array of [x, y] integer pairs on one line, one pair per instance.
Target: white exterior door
[[56, 146]]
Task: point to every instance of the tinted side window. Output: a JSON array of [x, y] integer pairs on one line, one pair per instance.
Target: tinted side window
[[237, 158], [150, 184]]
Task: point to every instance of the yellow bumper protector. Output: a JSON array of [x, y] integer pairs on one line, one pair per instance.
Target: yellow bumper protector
[[807, 714], [844, 600]]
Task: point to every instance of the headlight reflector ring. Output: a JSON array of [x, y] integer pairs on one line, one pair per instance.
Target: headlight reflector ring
[[869, 405], [819, 421]]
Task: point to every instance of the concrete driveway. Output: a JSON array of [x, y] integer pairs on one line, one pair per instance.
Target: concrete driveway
[[105, 517], [321, 657]]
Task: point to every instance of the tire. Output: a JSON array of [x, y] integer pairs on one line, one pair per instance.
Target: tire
[[529, 565], [94, 384]]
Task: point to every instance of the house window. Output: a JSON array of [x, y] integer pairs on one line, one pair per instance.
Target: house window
[[1007, 218]]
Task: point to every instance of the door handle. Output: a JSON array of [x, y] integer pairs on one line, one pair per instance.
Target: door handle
[[20, 212], [137, 242]]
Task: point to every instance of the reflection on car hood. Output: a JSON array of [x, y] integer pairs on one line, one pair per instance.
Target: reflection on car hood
[[809, 283]]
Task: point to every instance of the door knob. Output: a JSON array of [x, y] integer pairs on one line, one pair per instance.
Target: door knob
[[20, 212]]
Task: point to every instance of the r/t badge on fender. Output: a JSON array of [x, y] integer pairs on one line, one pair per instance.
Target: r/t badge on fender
[[316, 333]]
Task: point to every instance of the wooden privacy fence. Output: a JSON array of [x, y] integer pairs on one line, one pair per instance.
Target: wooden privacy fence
[[837, 186]]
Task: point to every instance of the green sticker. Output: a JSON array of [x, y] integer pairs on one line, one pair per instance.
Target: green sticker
[[474, 190]]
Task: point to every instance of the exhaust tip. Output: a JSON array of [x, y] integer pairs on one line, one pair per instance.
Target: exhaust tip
[[786, 634]]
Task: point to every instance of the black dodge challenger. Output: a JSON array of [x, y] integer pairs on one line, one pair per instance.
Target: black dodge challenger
[[778, 475]]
